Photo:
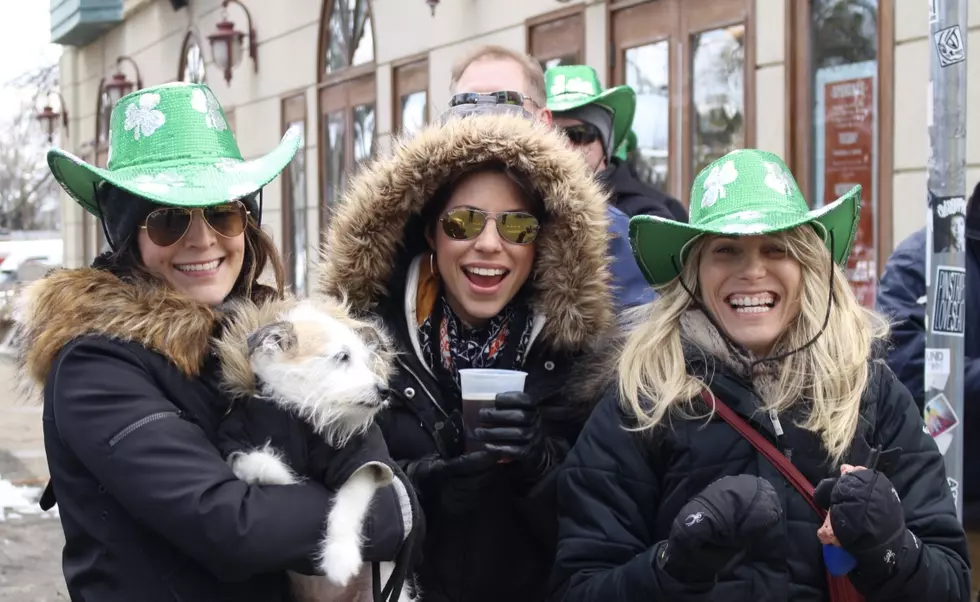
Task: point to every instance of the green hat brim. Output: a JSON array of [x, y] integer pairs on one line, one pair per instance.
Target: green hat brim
[[183, 183], [621, 100], [660, 245]]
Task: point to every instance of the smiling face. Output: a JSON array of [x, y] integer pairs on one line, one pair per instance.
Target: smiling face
[[752, 286], [481, 275], [203, 265]]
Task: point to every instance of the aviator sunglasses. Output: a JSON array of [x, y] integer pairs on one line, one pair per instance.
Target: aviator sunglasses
[[581, 134], [167, 226], [465, 223]]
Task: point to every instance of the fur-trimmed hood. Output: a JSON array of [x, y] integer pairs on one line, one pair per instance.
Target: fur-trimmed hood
[[370, 231], [70, 303]]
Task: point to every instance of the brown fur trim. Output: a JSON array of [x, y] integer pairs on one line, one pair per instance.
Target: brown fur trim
[[69, 304], [571, 272], [242, 318]]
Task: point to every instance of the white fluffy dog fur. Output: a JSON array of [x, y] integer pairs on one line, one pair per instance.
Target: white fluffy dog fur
[[316, 361]]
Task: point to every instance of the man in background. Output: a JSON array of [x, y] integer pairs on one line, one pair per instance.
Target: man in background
[[597, 122], [518, 79]]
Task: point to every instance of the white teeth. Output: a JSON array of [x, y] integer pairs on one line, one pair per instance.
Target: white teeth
[[198, 267], [757, 309], [762, 299], [486, 271]]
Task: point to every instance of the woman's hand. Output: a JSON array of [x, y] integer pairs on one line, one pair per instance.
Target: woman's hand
[[713, 532], [867, 519], [512, 429]]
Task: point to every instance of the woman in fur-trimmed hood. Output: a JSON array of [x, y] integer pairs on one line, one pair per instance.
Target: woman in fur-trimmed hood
[[480, 243], [149, 508]]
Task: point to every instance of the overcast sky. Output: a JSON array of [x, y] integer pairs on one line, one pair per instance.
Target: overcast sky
[[24, 44]]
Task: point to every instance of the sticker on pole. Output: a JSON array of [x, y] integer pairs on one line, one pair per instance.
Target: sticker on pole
[[937, 369], [948, 223], [949, 308], [933, 11], [949, 45], [939, 416], [954, 488]]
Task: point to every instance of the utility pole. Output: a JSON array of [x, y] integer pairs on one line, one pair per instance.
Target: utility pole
[[946, 240]]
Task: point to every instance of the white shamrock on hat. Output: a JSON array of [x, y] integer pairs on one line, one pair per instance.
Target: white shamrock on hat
[[142, 116], [778, 179], [231, 165], [714, 185], [160, 183], [738, 228], [205, 102]]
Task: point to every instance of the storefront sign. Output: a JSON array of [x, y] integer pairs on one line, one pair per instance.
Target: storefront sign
[[846, 141]]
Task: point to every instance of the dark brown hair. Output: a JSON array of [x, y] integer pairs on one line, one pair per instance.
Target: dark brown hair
[[260, 252]]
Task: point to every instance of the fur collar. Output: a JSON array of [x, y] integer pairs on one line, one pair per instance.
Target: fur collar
[[70, 303], [369, 235]]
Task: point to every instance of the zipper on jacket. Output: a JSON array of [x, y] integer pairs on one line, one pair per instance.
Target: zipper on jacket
[[140, 423]]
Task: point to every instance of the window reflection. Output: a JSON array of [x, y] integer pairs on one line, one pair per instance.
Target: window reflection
[[351, 37], [363, 132], [297, 202], [413, 112], [647, 72], [335, 134], [718, 93]]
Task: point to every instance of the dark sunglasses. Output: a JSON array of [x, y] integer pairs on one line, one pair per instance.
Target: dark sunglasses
[[504, 97], [167, 226], [581, 134], [465, 223]]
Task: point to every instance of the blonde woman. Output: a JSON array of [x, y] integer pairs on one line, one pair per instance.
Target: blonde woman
[[663, 499]]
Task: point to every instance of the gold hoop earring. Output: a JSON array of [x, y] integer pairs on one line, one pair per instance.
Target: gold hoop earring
[[432, 267]]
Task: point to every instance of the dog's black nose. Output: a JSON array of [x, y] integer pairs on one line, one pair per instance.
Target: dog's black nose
[[383, 391]]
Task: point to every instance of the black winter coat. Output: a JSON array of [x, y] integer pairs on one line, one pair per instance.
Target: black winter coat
[[150, 510], [633, 197], [619, 492], [503, 549]]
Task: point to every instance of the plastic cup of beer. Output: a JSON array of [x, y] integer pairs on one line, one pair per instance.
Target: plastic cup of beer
[[479, 387]]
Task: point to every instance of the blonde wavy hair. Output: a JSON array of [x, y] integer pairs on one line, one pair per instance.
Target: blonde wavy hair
[[831, 374]]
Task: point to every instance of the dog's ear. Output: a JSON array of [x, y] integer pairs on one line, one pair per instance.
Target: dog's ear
[[374, 336], [276, 336]]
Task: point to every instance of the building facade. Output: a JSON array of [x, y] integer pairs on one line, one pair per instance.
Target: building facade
[[835, 87]]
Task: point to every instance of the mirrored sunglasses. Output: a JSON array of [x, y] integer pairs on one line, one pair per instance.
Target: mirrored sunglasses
[[503, 97], [465, 223], [168, 225]]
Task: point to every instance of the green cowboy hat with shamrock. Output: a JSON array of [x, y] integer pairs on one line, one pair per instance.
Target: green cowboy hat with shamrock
[[171, 144], [569, 87], [744, 193]]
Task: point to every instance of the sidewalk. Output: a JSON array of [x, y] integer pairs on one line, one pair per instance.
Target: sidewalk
[[20, 431]]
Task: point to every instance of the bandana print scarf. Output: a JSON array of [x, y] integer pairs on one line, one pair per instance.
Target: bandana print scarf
[[453, 346]]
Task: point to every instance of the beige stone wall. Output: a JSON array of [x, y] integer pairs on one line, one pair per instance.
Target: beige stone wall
[[770, 76], [911, 138]]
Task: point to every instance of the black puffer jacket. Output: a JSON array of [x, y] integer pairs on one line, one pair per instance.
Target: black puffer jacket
[[503, 549], [620, 491], [150, 510]]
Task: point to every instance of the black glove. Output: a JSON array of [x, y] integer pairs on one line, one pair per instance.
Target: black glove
[[459, 484], [512, 429], [714, 531], [869, 522]]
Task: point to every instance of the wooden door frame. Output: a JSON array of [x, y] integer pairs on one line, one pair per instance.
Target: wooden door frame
[[555, 15], [417, 60], [799, 118], [292, 109]]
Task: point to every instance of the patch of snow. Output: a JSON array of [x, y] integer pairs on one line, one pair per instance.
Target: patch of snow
[[17, 501]]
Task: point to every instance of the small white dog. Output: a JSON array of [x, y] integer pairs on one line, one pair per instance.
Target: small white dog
[[308, 370]]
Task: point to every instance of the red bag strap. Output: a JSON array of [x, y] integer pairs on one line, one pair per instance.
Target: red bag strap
[[841, 588]]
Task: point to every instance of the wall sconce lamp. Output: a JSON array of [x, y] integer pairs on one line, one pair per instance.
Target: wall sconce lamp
[[49, 117], [119, 85], [432, 4], [226, 43]]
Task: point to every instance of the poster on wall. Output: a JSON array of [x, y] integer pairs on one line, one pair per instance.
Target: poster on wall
[[846, 124]]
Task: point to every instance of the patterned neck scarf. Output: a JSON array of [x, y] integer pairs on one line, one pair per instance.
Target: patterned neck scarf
[[499, 343]]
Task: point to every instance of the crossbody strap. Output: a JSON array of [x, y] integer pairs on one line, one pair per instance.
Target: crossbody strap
[[767, 449]]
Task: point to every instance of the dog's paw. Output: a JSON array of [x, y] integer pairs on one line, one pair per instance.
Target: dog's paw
[[261, 466], [341, 560]]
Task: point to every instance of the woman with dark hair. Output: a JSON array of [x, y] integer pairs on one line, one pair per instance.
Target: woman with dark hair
[[131, 403], [481, 243]]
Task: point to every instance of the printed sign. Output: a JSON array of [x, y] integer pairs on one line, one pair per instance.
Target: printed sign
[[949, 308], [939, 416], [937, 369], [948, 223], [846, 154], [949, 46]]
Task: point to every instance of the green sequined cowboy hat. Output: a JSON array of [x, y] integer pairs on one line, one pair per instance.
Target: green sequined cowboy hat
[[626, 146], [745, 193], [569, 87], [171, 144]]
